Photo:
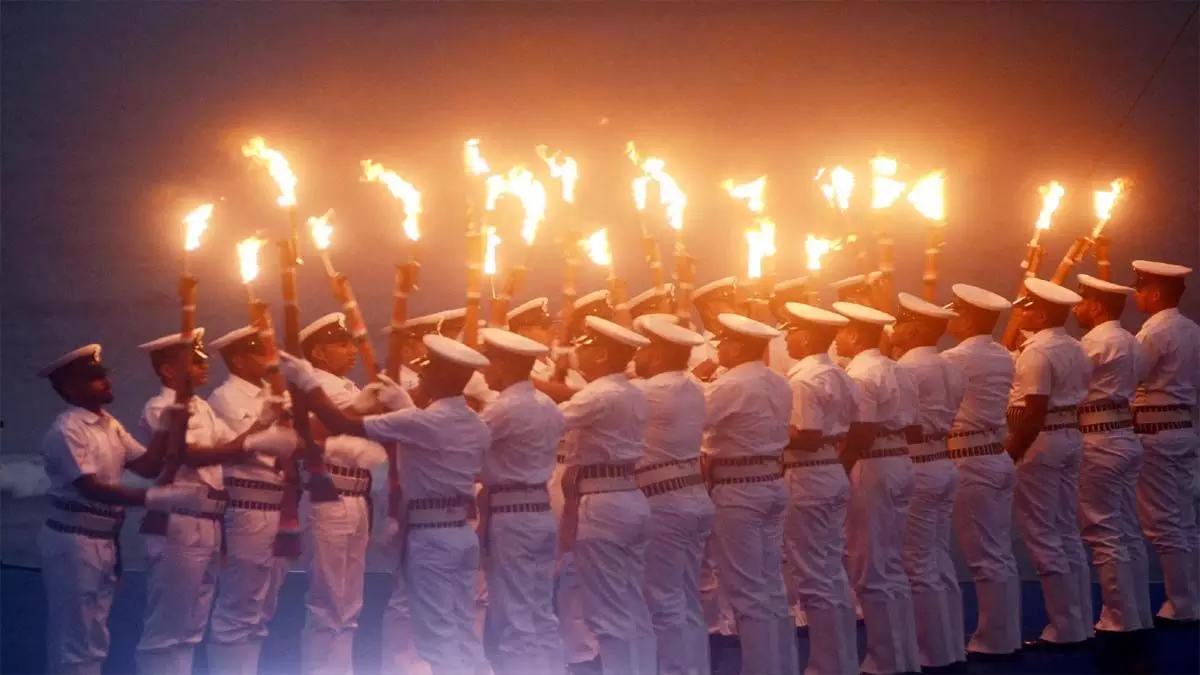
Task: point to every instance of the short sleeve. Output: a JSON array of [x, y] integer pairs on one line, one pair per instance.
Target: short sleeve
[[132, 447], [581, 409], [807, 408], [1151, 352], [1033, 374], [719, 397], [406, 427], [150, 417], [222, 432], [868, 401], [69, 454]]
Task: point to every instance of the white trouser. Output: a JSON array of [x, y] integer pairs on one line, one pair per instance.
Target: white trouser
[[521, 625], [815, 534], [680, 525], [1108, 520], [937, 601], [441, 566], [398, 655], [610, 554], [880, 493], [1047, 518], [579, 644], [79, 574], [718, 611], [748, 533], [181, 575], [338, 534], [983, 515], [247, 591], [1167, 511]]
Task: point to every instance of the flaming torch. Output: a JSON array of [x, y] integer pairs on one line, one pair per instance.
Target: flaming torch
[[837, 189], [928, 198], [885, 190], [1052, 195], [322, 233], [653, 170], [567, 171], [760, 237], [1103, 202], [475, 169], [598, 252], [814, 250], [523, 185]]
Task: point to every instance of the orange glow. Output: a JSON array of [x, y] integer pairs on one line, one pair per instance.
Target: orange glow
[[597, 248], [756, 250], [322, 231], [1052, 195], [928, 196], [400, 189], [197, 223], [563, 168], [523, 185], [839, 187], [815, 249], [1103, 201], [247, 252], [473, 162], [885, 189], [489, 257], [669, 193], [277, 165]]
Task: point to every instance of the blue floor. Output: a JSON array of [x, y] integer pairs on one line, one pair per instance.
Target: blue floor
[[23, 616]]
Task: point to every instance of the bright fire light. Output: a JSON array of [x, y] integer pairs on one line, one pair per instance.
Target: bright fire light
[[247, 252], [473, 162], [400, 189], [1103, 201], [885, 189], [563, 168], [277, 165], [491, 240], [523, 185], [839, 186], [597, 248], [928, 196], [1052, 195], [815, 249], [197, 223], [322, 231], [751, 193]]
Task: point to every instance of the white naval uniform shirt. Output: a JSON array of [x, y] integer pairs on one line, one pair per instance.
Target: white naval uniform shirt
[[205, 430], [703, 352], [1052, 364], [81, 443], [677, 416], [987, 368], [525, 428], [749, 407], [1171, 346], [940, 388], [1117, 363], [442, 446], [543, 370], [341, 392], [778, 357], [239, 403], [879, 391], [477, 388], [824, 397], [605, 422]]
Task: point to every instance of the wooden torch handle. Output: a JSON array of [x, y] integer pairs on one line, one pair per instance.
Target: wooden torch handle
[[355, 324], [406, 281], [684, 286], [1033, 261], [475, 252], [1103, 264], [654, 259], [930, 276]]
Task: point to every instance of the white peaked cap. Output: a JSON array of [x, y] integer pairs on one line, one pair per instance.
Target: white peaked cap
[[1051, 292], [747, 327], [590, 298], [915, 305], [652, 292], [615, 331], [171, 340], [713, 286], [91, 351], [863, 314], [816, 315], [452, 314], [537, 303], [638, 321], [981, 298], [1103, 286], [671, 332], [789, 284], [233, 336], [327, 320], [849, 281], [1161, 269], [454, 351], [513, 343]]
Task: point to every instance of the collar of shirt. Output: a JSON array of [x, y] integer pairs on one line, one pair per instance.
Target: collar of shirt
[[87, 416], [448, 403], [747, 368], [1159, 317], [244, 387], [977, 341], [669, 377], [168, 394], [614, 378], [917, 353], [1047, 335], [810, 361], [872, 354], [522, 388], [1104, 328]]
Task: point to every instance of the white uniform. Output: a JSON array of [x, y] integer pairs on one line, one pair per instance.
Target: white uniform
[[681, 520], [605, 425], [881, 490], [79, 543], [1171, 346], [937, 600], [442, 449], [338, 534], [522, 537], [1112, 461], [749, 408], [778, 357], [248, 585], [824, 399], [1053, 364], [983, 505], [182, 567]]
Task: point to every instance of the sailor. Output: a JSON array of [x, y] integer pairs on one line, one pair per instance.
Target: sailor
[[788, 290], [441, 449], [249, 582], [339, 531], [937, 600], [182, 566], [881, 489], [532, 320], [681, 512], [749, 407], [654, 300], [1165, 418], [451, 323], [824, 404], [516, 523], [1051, 380], [711, 300], [84, 452], [983, 504], [606, 520]]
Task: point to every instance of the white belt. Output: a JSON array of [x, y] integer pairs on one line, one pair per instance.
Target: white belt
[[350, 481], [827, 455], [1151, 415], [99, 521], [437, 516], [1061, 418], [741, 473], [659, 472], [508, 498], [246, 491], [971, 439], [891, 440], [927, 448], [599, 484]]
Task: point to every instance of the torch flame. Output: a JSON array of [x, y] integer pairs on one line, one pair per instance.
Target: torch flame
[[669, 194], [1104, 201], [885, 189], [197, 223], [247, 252], [640, 185], [1052, 195], [322, 231], [756, 248], [277, 165], [400, 189], [597, 249], [489, 257], [563, 168], [815, 249], [751, 192], [523, 185], [928, 196], [473, 161], [839, 187]]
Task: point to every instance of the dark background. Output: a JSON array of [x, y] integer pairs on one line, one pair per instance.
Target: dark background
[[118, 118]]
